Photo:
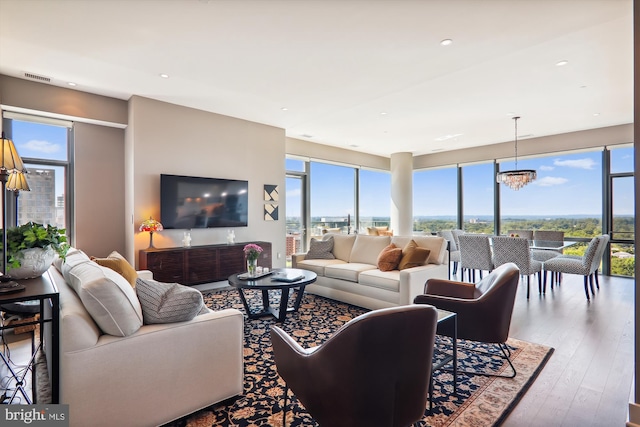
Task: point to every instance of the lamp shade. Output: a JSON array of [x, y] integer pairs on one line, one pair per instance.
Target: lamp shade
[[151, 225], [18, 182], [10, 161]]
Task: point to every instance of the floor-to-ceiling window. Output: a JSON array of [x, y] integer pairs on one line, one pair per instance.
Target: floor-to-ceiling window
[[478, 183], [332, 197], [435, 199], [621, 212], [566, 196], [44, 145], [374, 201]]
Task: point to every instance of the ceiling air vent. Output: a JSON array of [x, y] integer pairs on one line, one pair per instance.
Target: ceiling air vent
[[37, 77]]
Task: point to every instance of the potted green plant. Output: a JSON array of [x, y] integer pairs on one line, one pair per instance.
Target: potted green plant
[[32, 247]]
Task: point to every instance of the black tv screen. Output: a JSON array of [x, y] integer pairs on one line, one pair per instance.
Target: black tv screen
[[195, 202]]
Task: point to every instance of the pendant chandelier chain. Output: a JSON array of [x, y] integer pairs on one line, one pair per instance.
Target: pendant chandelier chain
[[516, 139]]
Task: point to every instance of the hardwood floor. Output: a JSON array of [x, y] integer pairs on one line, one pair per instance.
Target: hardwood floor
[[588, 379]]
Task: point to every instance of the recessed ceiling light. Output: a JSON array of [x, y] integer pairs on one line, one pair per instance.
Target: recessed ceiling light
[[437, 149], [354, 145], [596, 114], [445, 137], [72, 84], [511, 114], [383, 113], [583, 87], [284, 108], [561, 63], [306, 135], [446, 42], [164, 76]]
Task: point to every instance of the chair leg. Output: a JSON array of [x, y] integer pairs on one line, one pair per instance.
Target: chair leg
[[540, 289], [593, 292], [586, 288], [455, 267], [527, 287], [597, 281], [284, 408]]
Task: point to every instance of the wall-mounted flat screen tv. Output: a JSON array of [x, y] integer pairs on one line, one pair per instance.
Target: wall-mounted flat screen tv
[[195, 202]]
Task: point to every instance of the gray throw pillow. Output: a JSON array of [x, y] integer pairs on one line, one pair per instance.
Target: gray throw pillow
[[320, 249], [168, 302]]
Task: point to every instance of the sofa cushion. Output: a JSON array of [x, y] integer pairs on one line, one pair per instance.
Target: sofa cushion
[[389, 258], [342, 245], [168, 302], [320, 249], [348, 271], [120, 265], [74, 257], [372, 231], [106, 295], [437, 245], [388, 280], [367, 248], [413, 256], [317, 265]]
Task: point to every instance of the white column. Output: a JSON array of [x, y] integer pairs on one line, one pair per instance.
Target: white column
[[402, 194]]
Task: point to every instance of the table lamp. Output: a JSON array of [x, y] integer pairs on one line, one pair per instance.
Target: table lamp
[[10, 163], [151, 225]]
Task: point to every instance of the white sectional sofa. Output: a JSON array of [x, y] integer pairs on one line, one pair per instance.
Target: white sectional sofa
[[149, 377], [353, 276]]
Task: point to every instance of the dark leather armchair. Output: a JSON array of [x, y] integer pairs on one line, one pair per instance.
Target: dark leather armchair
[[374, 371], [484, 309]]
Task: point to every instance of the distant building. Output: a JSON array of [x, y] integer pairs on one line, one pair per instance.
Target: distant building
[[39, 204]]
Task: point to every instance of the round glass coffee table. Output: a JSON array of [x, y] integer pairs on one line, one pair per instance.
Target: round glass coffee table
[[283, 279]]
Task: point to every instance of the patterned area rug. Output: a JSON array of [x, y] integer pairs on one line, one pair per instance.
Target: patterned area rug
[[480, 401]]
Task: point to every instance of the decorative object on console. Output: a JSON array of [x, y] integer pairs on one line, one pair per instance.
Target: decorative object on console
[[32, 247], [516, 179], [151, 225], [270, 193], [252, 252], [186, 239], [231, 237], [270, 212], [10, 162]]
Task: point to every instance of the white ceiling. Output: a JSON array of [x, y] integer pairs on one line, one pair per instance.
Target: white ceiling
[[337, 65]]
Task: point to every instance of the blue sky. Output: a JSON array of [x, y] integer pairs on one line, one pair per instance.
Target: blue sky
[[567, 184], [36, 140]]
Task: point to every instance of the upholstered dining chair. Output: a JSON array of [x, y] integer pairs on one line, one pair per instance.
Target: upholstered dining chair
[[582, 265], [475, 254], [548, 236], [516, 250], [373, 371], [484, 310], [454, 252]]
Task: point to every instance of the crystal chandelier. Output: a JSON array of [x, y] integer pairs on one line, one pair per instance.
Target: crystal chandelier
[[516, 179]]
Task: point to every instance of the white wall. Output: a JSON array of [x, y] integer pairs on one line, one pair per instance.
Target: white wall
[[171, 139]]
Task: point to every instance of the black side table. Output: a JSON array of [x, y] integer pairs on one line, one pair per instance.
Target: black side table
[[43, 290]]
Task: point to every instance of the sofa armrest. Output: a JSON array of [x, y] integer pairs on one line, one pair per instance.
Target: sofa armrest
[[173, 359], [145, 274], [296, 258], [413, 280]]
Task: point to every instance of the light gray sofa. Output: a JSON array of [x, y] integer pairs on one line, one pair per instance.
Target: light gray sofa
[[353, 276], [154, 375]]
